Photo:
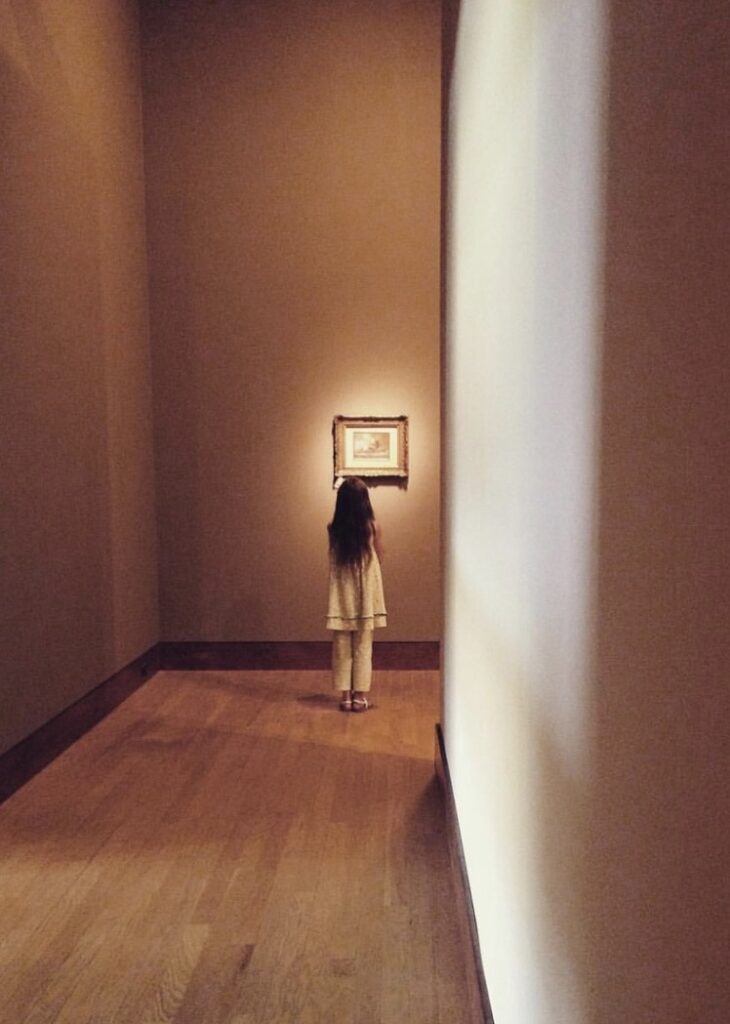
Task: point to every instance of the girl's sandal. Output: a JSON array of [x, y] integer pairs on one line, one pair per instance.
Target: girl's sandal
[[346, 702], [360, 704]]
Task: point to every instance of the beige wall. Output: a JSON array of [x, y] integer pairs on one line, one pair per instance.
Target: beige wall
[[292, 167], [522, 297], [587, 570], [293, 206], [660, 814], [78, 535]]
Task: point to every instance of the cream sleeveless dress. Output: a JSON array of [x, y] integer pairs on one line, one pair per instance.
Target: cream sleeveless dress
[[356, 599]]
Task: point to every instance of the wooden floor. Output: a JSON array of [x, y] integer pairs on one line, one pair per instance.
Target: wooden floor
[[228, 848]]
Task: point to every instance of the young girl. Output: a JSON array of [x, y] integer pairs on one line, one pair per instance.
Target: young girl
[[356, 601]]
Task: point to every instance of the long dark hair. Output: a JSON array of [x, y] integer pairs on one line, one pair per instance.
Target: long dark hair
[[351, 530]]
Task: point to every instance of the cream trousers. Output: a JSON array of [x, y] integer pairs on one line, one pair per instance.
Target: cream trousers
[[352, 659]]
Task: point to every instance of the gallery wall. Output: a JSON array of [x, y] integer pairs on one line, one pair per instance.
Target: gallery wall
[[659, 809], [292, 167], [520, 358], [586, 586], [79, 572]]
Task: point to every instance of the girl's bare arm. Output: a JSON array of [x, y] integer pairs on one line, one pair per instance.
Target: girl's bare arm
[[378, 540]]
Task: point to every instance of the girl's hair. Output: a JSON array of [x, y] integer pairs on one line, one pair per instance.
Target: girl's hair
[[351, 530]]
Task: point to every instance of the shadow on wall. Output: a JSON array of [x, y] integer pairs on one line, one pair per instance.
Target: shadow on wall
[[660, 812], [524, 820], [562, 808], [61, 629]]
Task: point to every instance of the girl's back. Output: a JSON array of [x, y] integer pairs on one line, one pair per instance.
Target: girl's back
[[356, 601], [356, 598]]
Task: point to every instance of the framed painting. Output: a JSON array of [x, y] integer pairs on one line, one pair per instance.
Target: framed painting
[[370, 446]]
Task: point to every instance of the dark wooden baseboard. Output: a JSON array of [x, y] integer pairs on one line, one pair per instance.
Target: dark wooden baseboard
[[461, 878], [297, 655], [19, 764]]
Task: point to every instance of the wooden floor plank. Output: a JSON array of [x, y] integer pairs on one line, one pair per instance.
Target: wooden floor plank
[[230, 848]]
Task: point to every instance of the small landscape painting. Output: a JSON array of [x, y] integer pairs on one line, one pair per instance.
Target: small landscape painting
[[371, 444]]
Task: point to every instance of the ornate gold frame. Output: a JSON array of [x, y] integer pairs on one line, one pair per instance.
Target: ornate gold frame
[[369, 466]]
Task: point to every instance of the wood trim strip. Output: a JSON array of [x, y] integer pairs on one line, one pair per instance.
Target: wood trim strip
[[296, 655], [465, 906], [19, 764]]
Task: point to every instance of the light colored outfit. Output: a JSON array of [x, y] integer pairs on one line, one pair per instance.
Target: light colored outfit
[[352, 659], [356, 607], [356, 599]]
